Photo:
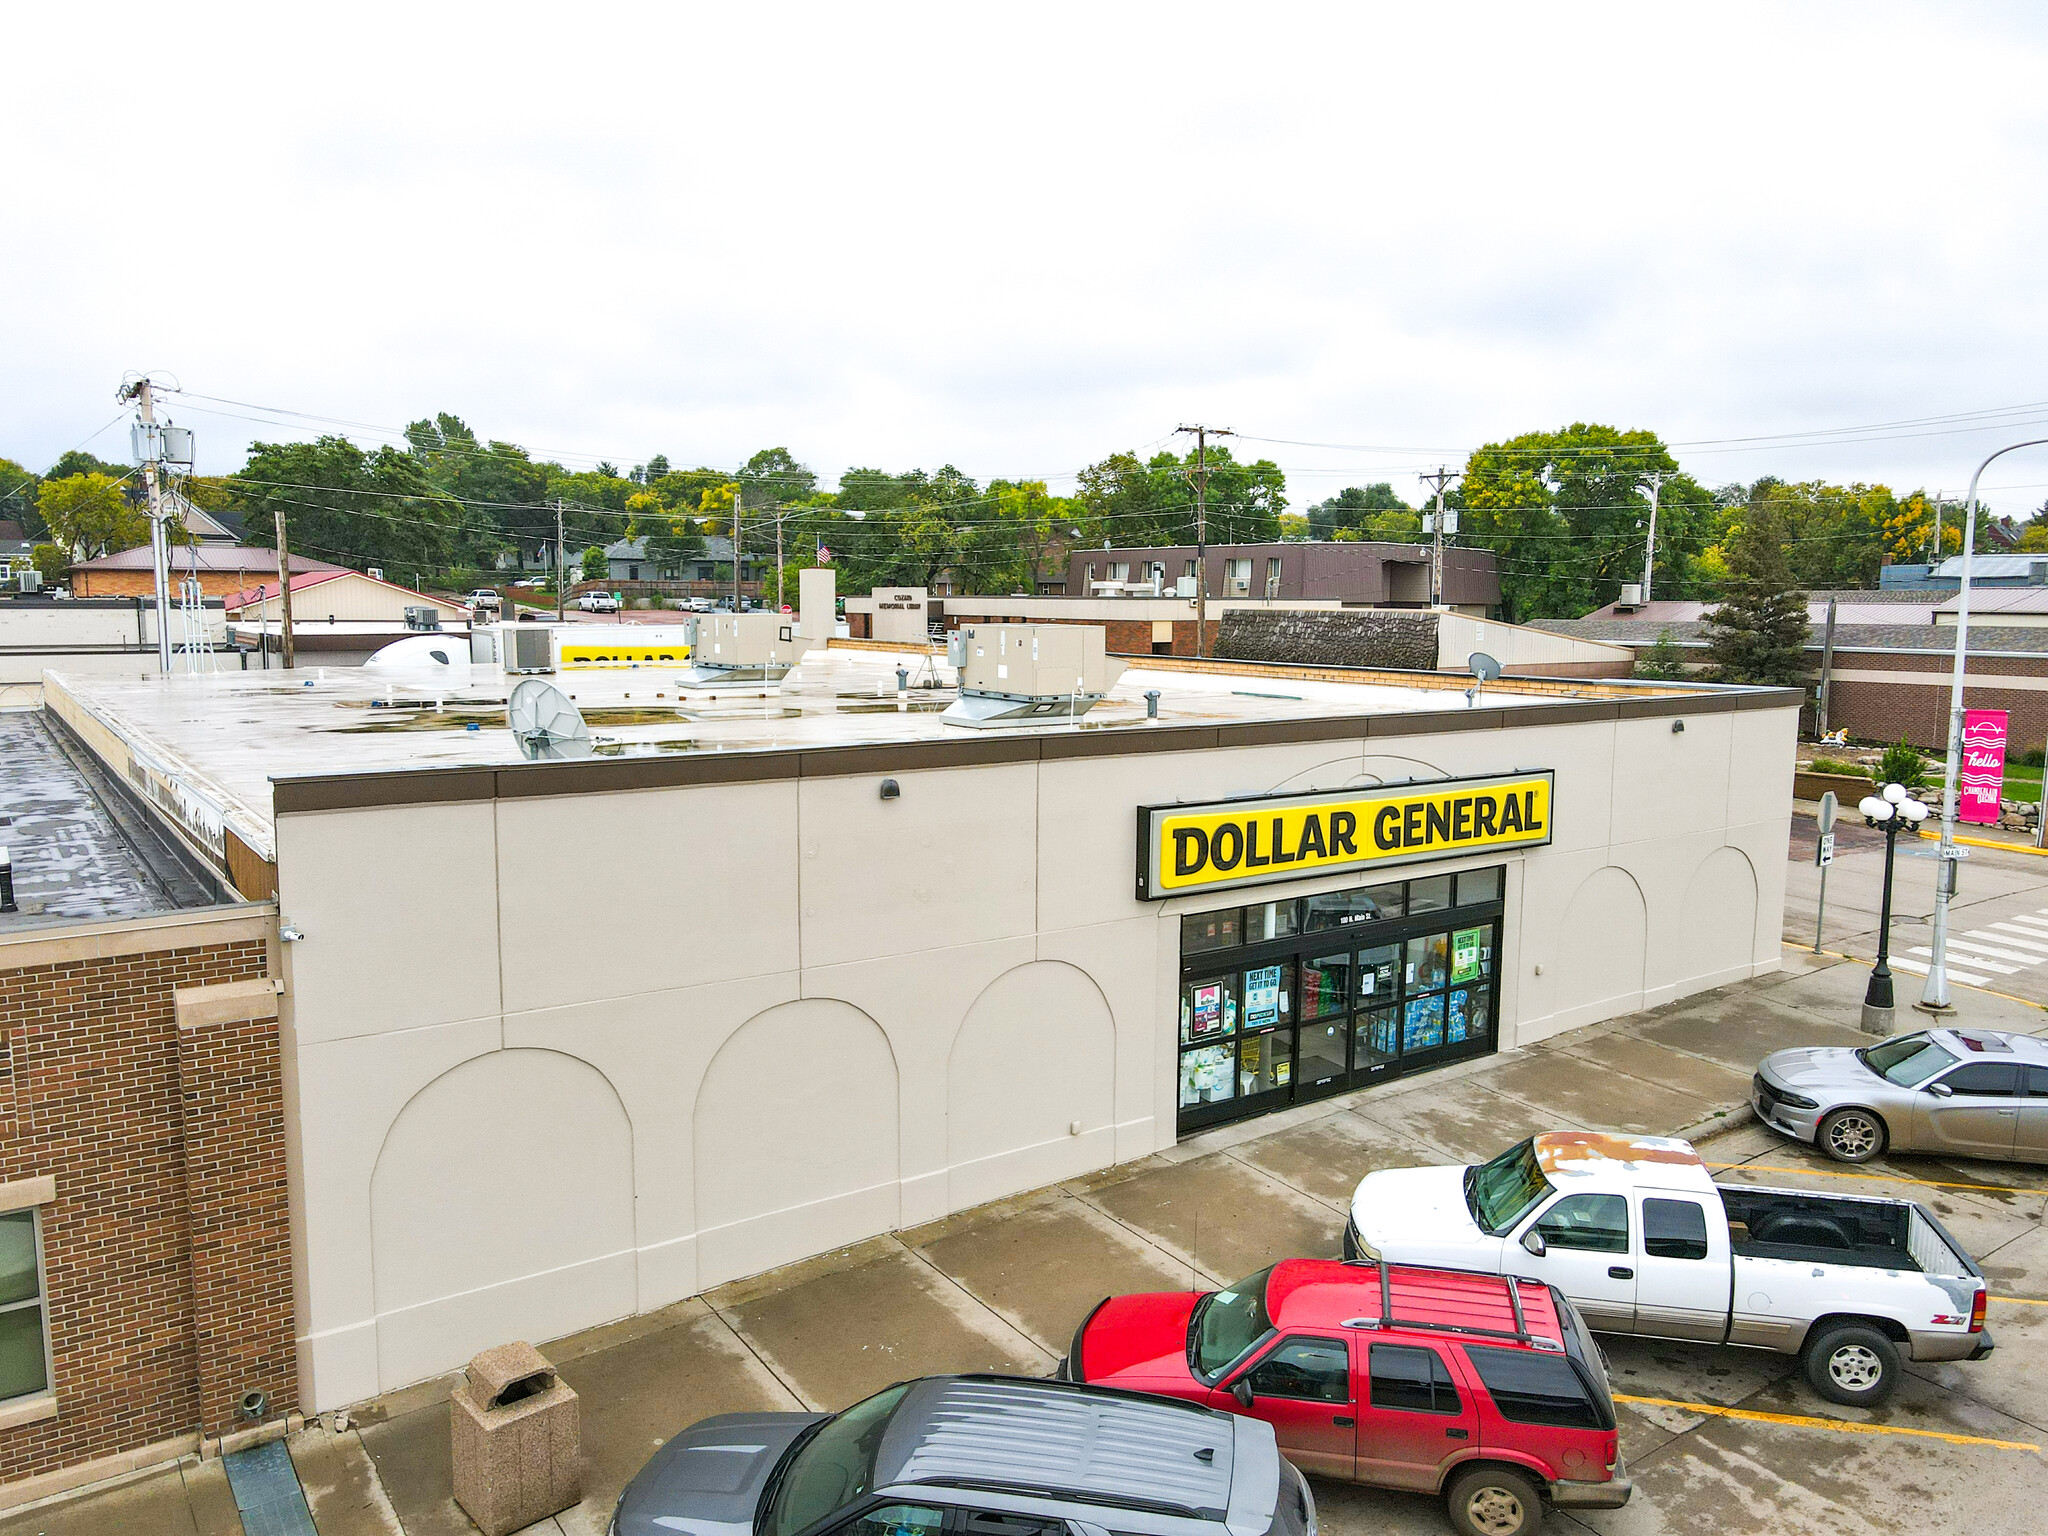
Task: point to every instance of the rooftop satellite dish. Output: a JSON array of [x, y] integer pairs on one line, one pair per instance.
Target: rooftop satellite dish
[[1484, 670], [545, 724]]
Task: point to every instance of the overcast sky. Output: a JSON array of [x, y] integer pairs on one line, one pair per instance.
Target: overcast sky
[[1019, 238]]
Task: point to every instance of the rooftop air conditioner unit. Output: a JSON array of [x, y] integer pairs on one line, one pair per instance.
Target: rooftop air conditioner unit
[[527, 647], [729, 648], [1631, 597], [418, 616], [1028, 674]]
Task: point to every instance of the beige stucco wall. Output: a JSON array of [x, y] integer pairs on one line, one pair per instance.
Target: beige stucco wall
[[352, 596], [752, 1022]]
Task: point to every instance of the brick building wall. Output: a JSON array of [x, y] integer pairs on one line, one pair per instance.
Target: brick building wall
[[166, 1248], [143, 583], [1887, 697]]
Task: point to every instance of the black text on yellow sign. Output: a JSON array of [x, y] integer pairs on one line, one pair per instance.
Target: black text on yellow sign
[[1222, 844]]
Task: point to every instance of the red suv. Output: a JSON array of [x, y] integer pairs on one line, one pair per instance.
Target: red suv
[[1486, 1388]]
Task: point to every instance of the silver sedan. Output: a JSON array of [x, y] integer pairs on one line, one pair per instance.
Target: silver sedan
[[1973, 1093]]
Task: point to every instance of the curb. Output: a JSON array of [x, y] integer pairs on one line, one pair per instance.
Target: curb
[[1717, 1124]]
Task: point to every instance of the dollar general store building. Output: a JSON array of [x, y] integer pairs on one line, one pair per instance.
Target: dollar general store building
[[564, 1042]]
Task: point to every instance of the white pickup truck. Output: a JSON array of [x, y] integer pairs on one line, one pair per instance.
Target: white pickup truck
[[1635, 1231]]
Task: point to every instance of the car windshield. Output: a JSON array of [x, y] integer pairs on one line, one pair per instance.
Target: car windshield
[[1500, 1192], [834, 1467], [1227, 1323], [1908, 1061]]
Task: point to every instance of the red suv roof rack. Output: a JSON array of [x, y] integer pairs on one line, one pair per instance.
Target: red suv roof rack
[[1512, 1283]]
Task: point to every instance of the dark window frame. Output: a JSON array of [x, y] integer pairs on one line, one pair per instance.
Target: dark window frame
[[1663, 1245], [1553, 1239], [1271, 1356], [1441, 1383]]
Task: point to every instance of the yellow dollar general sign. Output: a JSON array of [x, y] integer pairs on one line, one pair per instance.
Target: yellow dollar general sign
[[1222, 844]]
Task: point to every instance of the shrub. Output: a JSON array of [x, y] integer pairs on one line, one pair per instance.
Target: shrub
[[1836, 765], [1902, 765]]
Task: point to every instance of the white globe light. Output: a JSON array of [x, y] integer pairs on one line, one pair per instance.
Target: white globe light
[[1875, 809], [1913, 811], [1895, 793]]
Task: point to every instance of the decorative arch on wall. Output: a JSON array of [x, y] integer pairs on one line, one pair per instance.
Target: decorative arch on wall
[[501, 1208], [1034, 1057], [1602, 949], [1717, 922], [796, 1142]]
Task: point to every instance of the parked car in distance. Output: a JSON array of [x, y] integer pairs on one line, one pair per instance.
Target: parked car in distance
[[1487, 1390], [597, 602], [484, 597], [1634, 1231], [973, 1456], [1975, 1093]]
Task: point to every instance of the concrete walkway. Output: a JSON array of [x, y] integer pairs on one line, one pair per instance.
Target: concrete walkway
[[1002, 1287]]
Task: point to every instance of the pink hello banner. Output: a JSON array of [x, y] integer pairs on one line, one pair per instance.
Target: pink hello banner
[[1983, 765]]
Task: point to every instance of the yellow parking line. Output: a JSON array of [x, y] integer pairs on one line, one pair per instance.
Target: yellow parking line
[[1889, 1178], [1842, 1426], [2021, 1301]]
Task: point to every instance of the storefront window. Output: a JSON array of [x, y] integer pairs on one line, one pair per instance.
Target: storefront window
[[1201, 931], [1265, 1062], [1477, 885], [1325, 985], [1425, 967], [1208, 1009], [1374, 1038], [1205, 1075], [1322, 1052], [1271, 920], [1267, 998], [1337, 909], [1379, 974], [1471, 953], [1471, 1015], [1431, 895], [1422, 1023]]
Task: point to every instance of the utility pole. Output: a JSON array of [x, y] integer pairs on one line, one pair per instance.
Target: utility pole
[[1827, 668], [737, 492], [159, 537], [284, 589], [1202, 530], [778, 559], [1656, 479], [1937, 533], [1436, 557], [561, 568]]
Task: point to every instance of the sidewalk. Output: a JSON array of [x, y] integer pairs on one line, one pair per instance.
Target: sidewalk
[[1002, 1287]]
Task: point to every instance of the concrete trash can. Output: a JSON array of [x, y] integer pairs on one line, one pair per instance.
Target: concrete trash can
[[516, 1441]]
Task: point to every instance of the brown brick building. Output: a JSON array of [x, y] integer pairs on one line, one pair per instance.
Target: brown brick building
[[145, 1244], [224, 569]]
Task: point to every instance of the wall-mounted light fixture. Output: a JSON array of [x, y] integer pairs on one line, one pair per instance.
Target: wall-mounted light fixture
[[891, 790]]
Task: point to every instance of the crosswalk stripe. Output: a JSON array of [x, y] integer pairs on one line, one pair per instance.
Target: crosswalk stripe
[[2036, 948], [2010, 934], [1954, 975], [1976, 940], [2038, 924], [1969, 959]]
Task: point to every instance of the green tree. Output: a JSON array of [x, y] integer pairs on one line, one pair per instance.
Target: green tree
[[77, 462], [1355, 508], [1900, 764], [1133, 504], [1758, 633], [1662, 662], [668, 533], [1566, 514], [594, 565], [18, 497], [51, 561], [89, 513], [351, 507]]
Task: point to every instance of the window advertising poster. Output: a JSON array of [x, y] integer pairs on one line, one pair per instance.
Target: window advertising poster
[[1262, 997], [1422, 1028], [1465, 945], [1208, 1010], [1456, 1025]]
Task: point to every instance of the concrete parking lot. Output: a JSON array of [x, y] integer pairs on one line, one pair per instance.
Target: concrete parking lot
[[1718, 1440]]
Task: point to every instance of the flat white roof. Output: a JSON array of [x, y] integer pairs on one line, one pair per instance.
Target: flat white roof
[[231, 733]]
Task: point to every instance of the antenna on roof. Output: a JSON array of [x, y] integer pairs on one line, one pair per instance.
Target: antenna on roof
[[546, 725], [1484, 670]]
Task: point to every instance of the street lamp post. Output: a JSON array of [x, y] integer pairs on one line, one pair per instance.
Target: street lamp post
[[1934, 995], [1894, 811]]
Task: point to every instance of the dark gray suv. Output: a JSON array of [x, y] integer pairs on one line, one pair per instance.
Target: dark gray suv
[[974, 1456]]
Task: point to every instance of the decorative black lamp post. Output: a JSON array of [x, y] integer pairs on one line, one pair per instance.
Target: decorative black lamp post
[[1893, 810]]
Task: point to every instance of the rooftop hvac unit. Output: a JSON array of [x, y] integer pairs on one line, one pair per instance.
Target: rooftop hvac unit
[[422, 617], [741, 648], [483, 646], [1027, 674], [28, 579], [526, 647], [1631, 597]]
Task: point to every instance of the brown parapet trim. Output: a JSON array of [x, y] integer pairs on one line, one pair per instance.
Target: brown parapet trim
[[357, 791], [905, 757], [1260, 733], [1129, 741], [587, 776], [532, 780]]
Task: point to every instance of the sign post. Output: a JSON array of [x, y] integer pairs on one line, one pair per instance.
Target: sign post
[[1823, 855]]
